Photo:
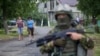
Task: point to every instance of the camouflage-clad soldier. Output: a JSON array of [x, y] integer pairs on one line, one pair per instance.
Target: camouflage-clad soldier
[[77, 45]]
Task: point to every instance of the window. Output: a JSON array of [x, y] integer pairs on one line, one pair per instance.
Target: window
[[51, 4], [57, 3], [45, 5]]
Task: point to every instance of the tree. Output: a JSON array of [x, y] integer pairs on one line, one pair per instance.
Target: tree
[[15, 8], [89, 7]]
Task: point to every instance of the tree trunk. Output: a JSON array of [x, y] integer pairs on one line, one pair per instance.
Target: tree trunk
[[5, 26], [4, 17], [87, 20], [94, 21]]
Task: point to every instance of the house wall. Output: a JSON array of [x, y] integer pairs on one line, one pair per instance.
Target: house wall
[[50, 12], [76, 12]]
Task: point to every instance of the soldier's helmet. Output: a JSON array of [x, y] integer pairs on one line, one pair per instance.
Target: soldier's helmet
[[63, 9], [61, 12]]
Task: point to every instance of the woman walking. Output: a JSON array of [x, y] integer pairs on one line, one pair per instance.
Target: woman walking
[[19, 24], [30, 27]]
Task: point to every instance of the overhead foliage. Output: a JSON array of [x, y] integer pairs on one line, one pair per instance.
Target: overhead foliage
[[15, 8], [89, 7]]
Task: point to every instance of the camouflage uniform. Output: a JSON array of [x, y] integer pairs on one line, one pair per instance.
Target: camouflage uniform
[[76, 48], [71, 48]]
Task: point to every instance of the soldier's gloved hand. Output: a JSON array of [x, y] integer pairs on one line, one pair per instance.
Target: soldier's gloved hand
[[47, 47], [75, 36]]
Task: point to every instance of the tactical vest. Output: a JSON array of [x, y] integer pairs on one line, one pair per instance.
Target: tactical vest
[[70, 48]]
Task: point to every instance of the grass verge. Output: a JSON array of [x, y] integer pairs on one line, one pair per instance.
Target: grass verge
[[12, 34]]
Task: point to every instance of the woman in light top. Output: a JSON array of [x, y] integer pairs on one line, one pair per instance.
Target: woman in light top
[[30, 27]]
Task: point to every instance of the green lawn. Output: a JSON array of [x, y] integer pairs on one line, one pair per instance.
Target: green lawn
[[97, 43], [12, 34], [97, 47], [97, 51]]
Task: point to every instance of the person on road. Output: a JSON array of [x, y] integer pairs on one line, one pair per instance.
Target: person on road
[[19, 24], [76, 45], [30, 27]]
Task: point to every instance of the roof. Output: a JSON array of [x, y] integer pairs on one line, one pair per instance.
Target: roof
[[65, 7], [70, 2]]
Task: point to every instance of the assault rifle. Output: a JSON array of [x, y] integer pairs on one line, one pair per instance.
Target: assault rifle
[[57, 35], [54, 36]]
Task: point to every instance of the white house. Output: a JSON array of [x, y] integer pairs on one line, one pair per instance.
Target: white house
[[51, 6]]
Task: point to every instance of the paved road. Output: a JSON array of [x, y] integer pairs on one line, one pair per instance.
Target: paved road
[[18, 48]]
